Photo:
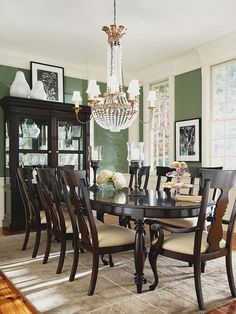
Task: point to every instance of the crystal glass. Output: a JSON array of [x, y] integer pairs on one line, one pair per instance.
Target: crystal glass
[[95, 153], [135, 157]]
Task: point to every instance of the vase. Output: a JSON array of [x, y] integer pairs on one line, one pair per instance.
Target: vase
[[38, 91], [108, 187], [20, 87]]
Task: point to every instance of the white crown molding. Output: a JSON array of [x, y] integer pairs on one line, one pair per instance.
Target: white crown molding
[[172, 66], [218, 51], [214, 52], [21, 59]]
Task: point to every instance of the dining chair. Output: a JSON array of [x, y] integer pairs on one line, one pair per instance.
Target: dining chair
[[161, 173], [196, 245], [59, 224], [143, 177], [35, 218], [195, 174], [99, 239]]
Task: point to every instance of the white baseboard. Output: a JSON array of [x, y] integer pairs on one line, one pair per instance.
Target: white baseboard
[[1, 200]]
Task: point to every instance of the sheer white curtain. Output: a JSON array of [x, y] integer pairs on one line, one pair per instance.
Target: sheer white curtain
[[223, 115]]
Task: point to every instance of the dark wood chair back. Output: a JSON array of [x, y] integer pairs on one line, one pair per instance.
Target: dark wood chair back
[[32, 207], [50, 197], [161, 173], [222, 180], [79, 206], [195, 173], [28, 194], [143, 176]]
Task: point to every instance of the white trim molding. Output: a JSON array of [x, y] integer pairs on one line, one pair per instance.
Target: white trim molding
[[21, 59], [1, 200]]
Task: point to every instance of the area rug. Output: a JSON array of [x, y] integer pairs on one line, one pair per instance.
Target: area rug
[[115, 291]]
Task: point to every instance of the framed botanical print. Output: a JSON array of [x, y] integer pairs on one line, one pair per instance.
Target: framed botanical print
[[188, 140], [52, 78]]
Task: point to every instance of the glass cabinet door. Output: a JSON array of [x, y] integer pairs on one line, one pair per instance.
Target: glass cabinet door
[[70, 144], [33, 142]]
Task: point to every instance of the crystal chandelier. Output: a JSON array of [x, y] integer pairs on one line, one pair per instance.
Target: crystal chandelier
[[114, 111]]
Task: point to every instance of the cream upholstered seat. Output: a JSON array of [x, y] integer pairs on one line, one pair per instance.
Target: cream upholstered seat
[[194, 245], [43, 217], [179, 222], [184, 242], [112, 235], [97, 238]]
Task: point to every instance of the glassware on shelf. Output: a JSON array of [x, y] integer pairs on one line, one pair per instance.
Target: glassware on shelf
[[35, 159], [76, 131], [33, 130], [68, 159]]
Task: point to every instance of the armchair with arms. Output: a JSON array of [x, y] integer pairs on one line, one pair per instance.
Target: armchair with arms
[[195, 245]]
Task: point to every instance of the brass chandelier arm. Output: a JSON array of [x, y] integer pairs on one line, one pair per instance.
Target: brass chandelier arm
[[77, 110], [152, 109]]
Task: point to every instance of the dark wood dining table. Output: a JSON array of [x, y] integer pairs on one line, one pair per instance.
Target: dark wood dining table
[[148, 204]]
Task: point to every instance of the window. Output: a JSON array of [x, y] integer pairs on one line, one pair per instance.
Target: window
[[160, 129], [223, 115]]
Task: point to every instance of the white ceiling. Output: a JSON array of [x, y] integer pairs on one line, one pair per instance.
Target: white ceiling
[[70, 30]]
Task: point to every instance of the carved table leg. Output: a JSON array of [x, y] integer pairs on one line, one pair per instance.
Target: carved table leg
[[140, 255]]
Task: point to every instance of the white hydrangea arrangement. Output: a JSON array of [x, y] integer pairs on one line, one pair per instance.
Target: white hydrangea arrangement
[[116, 178]]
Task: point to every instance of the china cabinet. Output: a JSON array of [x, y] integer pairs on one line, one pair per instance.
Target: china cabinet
[[39, 133]]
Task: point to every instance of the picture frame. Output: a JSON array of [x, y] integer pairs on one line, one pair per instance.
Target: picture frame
[[52, 77], [188, 140]]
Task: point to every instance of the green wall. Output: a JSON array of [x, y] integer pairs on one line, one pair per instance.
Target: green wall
[[114, 144], [188, 97], [187, 106]]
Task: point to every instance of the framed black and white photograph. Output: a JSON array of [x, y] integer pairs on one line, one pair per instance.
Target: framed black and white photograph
[[188, 140], [52, 78]]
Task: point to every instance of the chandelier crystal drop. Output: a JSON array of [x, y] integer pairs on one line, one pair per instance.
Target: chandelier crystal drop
[[114, 111]]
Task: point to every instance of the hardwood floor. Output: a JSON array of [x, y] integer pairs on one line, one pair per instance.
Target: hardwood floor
[[12, 302]]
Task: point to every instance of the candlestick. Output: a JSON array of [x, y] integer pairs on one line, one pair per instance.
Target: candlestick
[[95, 156], [95, 166], [134, 169]]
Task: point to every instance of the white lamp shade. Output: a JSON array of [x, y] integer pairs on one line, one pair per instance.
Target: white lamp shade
[[152, 96], [76, 96], [93, 88], [134, 88], [98, 90]]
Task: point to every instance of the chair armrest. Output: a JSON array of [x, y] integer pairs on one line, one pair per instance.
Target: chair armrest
[[155, 227]]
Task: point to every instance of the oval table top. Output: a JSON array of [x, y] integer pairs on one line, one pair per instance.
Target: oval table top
[[150, 203]]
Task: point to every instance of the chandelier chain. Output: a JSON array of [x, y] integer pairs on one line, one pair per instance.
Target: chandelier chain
[[114, 12]]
